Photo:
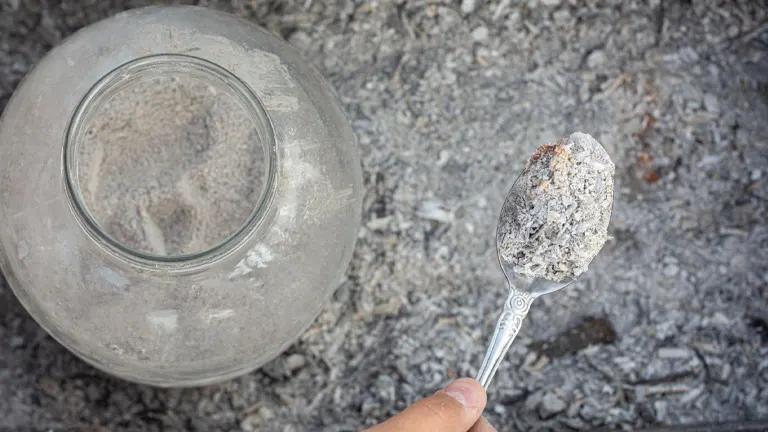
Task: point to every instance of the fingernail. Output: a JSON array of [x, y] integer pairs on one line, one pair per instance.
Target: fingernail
[[465, 393]]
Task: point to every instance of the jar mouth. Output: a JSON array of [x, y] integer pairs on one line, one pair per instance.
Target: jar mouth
[[169, 159]]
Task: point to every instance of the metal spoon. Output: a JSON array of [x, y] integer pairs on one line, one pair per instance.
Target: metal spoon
[[522, 292]]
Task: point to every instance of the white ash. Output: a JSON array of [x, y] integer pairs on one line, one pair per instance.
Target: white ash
[[170, 166], [561, 212]]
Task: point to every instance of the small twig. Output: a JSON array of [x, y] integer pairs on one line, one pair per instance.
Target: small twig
[[395, 79], [666, 389], [500, 9], [660, 17], [708, 376], [749, 36], [407, 25], [677, 376]]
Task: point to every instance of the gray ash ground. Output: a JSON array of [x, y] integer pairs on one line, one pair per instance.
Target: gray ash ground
[[448, 98]]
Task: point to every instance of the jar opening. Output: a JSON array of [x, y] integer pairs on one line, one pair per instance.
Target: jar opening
[[168, 157]]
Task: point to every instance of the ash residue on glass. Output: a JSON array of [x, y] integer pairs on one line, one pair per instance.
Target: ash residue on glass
[[170, 165]]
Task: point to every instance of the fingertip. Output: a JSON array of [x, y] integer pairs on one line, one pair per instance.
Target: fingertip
[[468, 392], [456, 407]]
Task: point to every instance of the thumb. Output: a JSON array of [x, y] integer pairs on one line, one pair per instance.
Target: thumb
[[454, 409]]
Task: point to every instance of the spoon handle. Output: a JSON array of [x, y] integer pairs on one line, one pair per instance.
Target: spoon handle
[[515, 309]]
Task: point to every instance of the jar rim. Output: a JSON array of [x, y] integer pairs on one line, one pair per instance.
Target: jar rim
[[103, 88]]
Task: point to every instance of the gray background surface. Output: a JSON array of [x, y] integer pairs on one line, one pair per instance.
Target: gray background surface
[[448, 99]]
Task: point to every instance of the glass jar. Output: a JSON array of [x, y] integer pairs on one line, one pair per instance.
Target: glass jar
[[181, 193]]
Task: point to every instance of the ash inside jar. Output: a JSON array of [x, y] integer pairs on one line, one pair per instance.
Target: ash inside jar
[[170, 165], [559, 222]]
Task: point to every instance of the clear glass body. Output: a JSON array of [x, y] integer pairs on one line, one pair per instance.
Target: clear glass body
[[189, 314]]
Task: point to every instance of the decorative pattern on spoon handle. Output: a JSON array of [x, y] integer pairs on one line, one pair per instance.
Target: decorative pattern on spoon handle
[[515, 309]]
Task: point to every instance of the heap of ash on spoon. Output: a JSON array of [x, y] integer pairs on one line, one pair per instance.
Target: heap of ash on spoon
[[560, 220]]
